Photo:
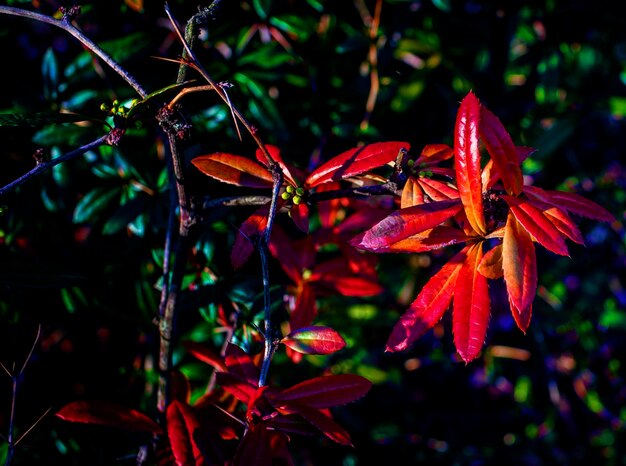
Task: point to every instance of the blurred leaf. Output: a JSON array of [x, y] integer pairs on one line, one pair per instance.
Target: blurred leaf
[[108, 414], [94, 202], [42, 119], [50, 75]]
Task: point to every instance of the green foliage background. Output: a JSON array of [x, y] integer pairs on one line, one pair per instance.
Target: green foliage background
[[81, 247]]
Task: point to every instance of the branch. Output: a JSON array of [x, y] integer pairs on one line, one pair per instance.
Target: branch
[[44, 166], [67, 26]]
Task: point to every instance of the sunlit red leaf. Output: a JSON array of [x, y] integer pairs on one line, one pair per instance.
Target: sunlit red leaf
[[470, 313], [435, 153], [234, 169], [314, 340], [537, 224], [438, 190], [107, 414], [412, 194], [437, 238], [467, 161], [236, 386], [183, 429], [320, 420], [407, 222], [428, 307], [519, 264], [560, 220], [491, 265], [274, 152], [356, 161], [240, 364], [502, 151], [325, 391]]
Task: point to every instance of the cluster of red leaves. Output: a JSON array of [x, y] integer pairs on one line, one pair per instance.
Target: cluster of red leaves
[[194, 435], [484, 203]]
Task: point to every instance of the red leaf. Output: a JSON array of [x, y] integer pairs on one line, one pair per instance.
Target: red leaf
[[236, 386], [470, 313], [183, 428], [324, 392], [107, 414], [428, 307], [502, 151], [435, 153], [580, 205], [467, 161], [240, 364], [356, 161], [305, 308], [300, 216], [437, 190], [275, 154], [293, 256], [251, 229], [537, 224], [519, 264], [314, 340], [328, 210], [560, 220], [255, 447], [234, 169], [437, 238], [320, 420], [336, 275], [205, 354], [407, 222]]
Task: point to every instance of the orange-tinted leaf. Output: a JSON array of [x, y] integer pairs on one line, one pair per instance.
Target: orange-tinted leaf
[[234, 169], [502, 151], [105, 413], [428, 307], [412, 194], [356, 161], [275, 154], [491, 265], [205, 354], [560, 220], [437, 238], [325, 391], [470, 312], [314, 340], [519, 264], [467, 161], [240, 364], [435, 153], [437, 190], [537, 224], [183, 429], [407, 222], [320, 420]]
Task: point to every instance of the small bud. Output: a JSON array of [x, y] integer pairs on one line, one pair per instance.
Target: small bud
[[297, 200], [104, 107]]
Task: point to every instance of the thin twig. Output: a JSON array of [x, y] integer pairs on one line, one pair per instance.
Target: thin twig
[[44, 166], [67, 26]]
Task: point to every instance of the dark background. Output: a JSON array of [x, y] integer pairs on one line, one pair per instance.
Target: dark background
[[80, 246]]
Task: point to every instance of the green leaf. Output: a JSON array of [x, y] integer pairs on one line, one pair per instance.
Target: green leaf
[[94, 202], [35, 120], [50, 75]]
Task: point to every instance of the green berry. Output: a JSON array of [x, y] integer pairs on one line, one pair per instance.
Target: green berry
[[104, 107], [289, 189], [285, 196], [297, 200], [300, 191]]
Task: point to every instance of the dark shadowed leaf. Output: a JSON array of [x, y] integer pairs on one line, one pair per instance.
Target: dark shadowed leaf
[[320, 420], [240, 364], [107, 414], [182, 429], [325, 391], [205, 354]]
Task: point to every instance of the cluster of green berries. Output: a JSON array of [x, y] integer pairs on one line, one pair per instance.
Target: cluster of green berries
[[117, 109], [416, 170], [295, 194]]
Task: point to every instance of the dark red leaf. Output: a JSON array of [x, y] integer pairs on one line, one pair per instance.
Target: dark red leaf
[[519, 264], [356, 161], [293, 256], [255, 448], [537, 224], [404, 223], [428, 307], [249, 232], [467, 161], [205, 354], [300, 216], [502, 151], [107, 414], [236, 386], [314, 340], [182, 429], [470, 313], [335, 274], [274, 151], [579, 205], [324, 392], [234, 169], [305, 308], [240, 364], [320, 420]]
